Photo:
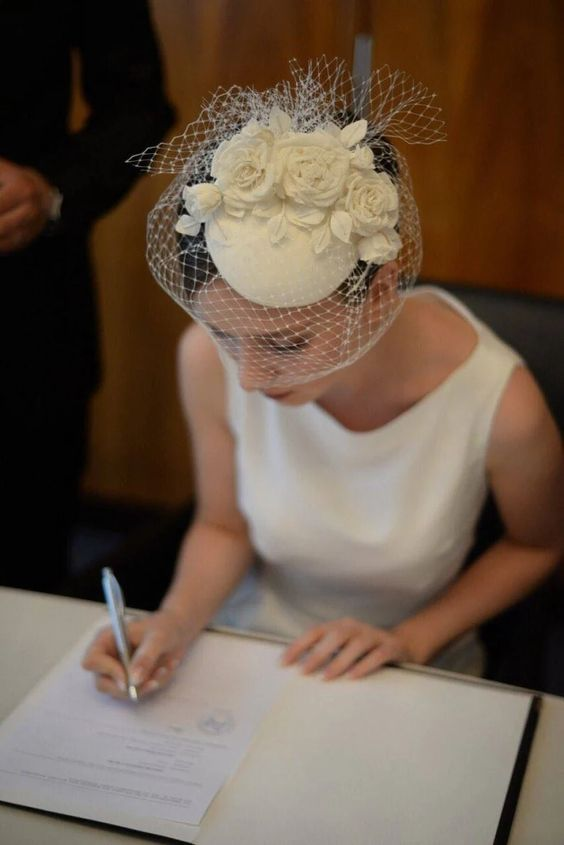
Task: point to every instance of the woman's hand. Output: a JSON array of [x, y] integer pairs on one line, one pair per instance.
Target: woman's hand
[[347, 645], [159, 642]]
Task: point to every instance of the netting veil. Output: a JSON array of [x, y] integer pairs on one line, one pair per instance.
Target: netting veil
[[290, 230]]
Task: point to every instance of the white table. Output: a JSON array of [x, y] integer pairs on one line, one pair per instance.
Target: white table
[[36, 630]]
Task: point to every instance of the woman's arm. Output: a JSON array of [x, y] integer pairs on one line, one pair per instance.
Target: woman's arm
[[215, 553], [526, 472]]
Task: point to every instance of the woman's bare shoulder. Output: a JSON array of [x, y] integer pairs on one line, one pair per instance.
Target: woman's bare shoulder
[[200, 371], [441, 338], [451, 334], [523, 417], [197, 350]]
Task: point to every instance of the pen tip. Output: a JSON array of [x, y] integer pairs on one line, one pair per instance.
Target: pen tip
[[132, 690]]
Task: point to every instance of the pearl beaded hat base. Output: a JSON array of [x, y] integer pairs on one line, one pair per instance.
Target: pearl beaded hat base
[[287, 207]]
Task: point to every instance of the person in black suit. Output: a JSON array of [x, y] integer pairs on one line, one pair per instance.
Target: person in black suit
[[54, 185]]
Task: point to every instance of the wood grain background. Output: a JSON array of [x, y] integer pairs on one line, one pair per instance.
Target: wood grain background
[[491, 198]]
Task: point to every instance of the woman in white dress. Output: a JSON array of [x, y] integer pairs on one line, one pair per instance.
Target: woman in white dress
[[345, 428]]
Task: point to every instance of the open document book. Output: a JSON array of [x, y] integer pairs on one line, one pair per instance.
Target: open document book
[[240, 750]]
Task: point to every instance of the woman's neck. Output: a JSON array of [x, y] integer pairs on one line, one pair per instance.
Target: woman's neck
[[387, 362], [426, 342]]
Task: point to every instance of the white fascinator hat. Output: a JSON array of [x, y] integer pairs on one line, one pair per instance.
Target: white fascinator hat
[[294, 197]]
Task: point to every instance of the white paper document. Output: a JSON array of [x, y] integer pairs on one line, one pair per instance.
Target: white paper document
[[404, 757], [154, 766], [400, 758]]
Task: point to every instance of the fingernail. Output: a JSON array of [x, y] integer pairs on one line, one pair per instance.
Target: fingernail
[[121, 684], [152, 685], [161, 672], [136, 677]]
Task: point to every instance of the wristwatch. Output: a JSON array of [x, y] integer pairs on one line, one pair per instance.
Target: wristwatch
[[53, 212], [55, 206]]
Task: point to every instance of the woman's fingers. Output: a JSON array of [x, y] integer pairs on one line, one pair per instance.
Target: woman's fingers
[[108, 685], [319, 644], [374, 660], [348, 656], [101, 657], [147, 657], [301, 645], [330, 644], [103, 642], [160, 676], [344, 646], [156, 655]]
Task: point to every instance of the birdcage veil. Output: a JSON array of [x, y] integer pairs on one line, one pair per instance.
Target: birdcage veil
[[290, 229]]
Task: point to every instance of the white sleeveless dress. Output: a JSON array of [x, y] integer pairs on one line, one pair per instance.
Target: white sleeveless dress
[[372, 524]]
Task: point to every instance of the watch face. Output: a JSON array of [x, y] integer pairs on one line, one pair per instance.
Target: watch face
[[55, 206]]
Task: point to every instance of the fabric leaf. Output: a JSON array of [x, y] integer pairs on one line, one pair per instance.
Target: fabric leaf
[[341, 225]]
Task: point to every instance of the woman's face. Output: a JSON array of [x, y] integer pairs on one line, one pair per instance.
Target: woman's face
[[291, 354]]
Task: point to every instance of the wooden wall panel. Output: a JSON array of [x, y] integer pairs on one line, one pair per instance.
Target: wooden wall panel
[[491, 198]]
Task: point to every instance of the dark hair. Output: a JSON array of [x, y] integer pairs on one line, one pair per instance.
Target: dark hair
[[197, 264]]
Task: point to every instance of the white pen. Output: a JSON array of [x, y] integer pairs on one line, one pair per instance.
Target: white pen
[[116, 608]]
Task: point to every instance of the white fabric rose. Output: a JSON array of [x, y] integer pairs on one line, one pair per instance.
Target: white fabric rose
[[363, 158], [372, 202], [311, 168], [242, 168], [322, 181], [201, 200], [254, 129], [379, 248]]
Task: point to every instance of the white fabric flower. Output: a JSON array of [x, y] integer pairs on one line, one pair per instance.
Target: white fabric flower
[[363, 158], [201, 200], [372, 202], [279, 122], [354, 133], [379, 248], [186, 225], [322, 181], [242, 168], [311, 168], [254, 129]]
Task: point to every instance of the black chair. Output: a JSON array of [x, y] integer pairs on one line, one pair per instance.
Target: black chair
[[522, 644], [532, 325]]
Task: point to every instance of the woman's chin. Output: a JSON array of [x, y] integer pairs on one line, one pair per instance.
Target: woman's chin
[[285, 397]]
